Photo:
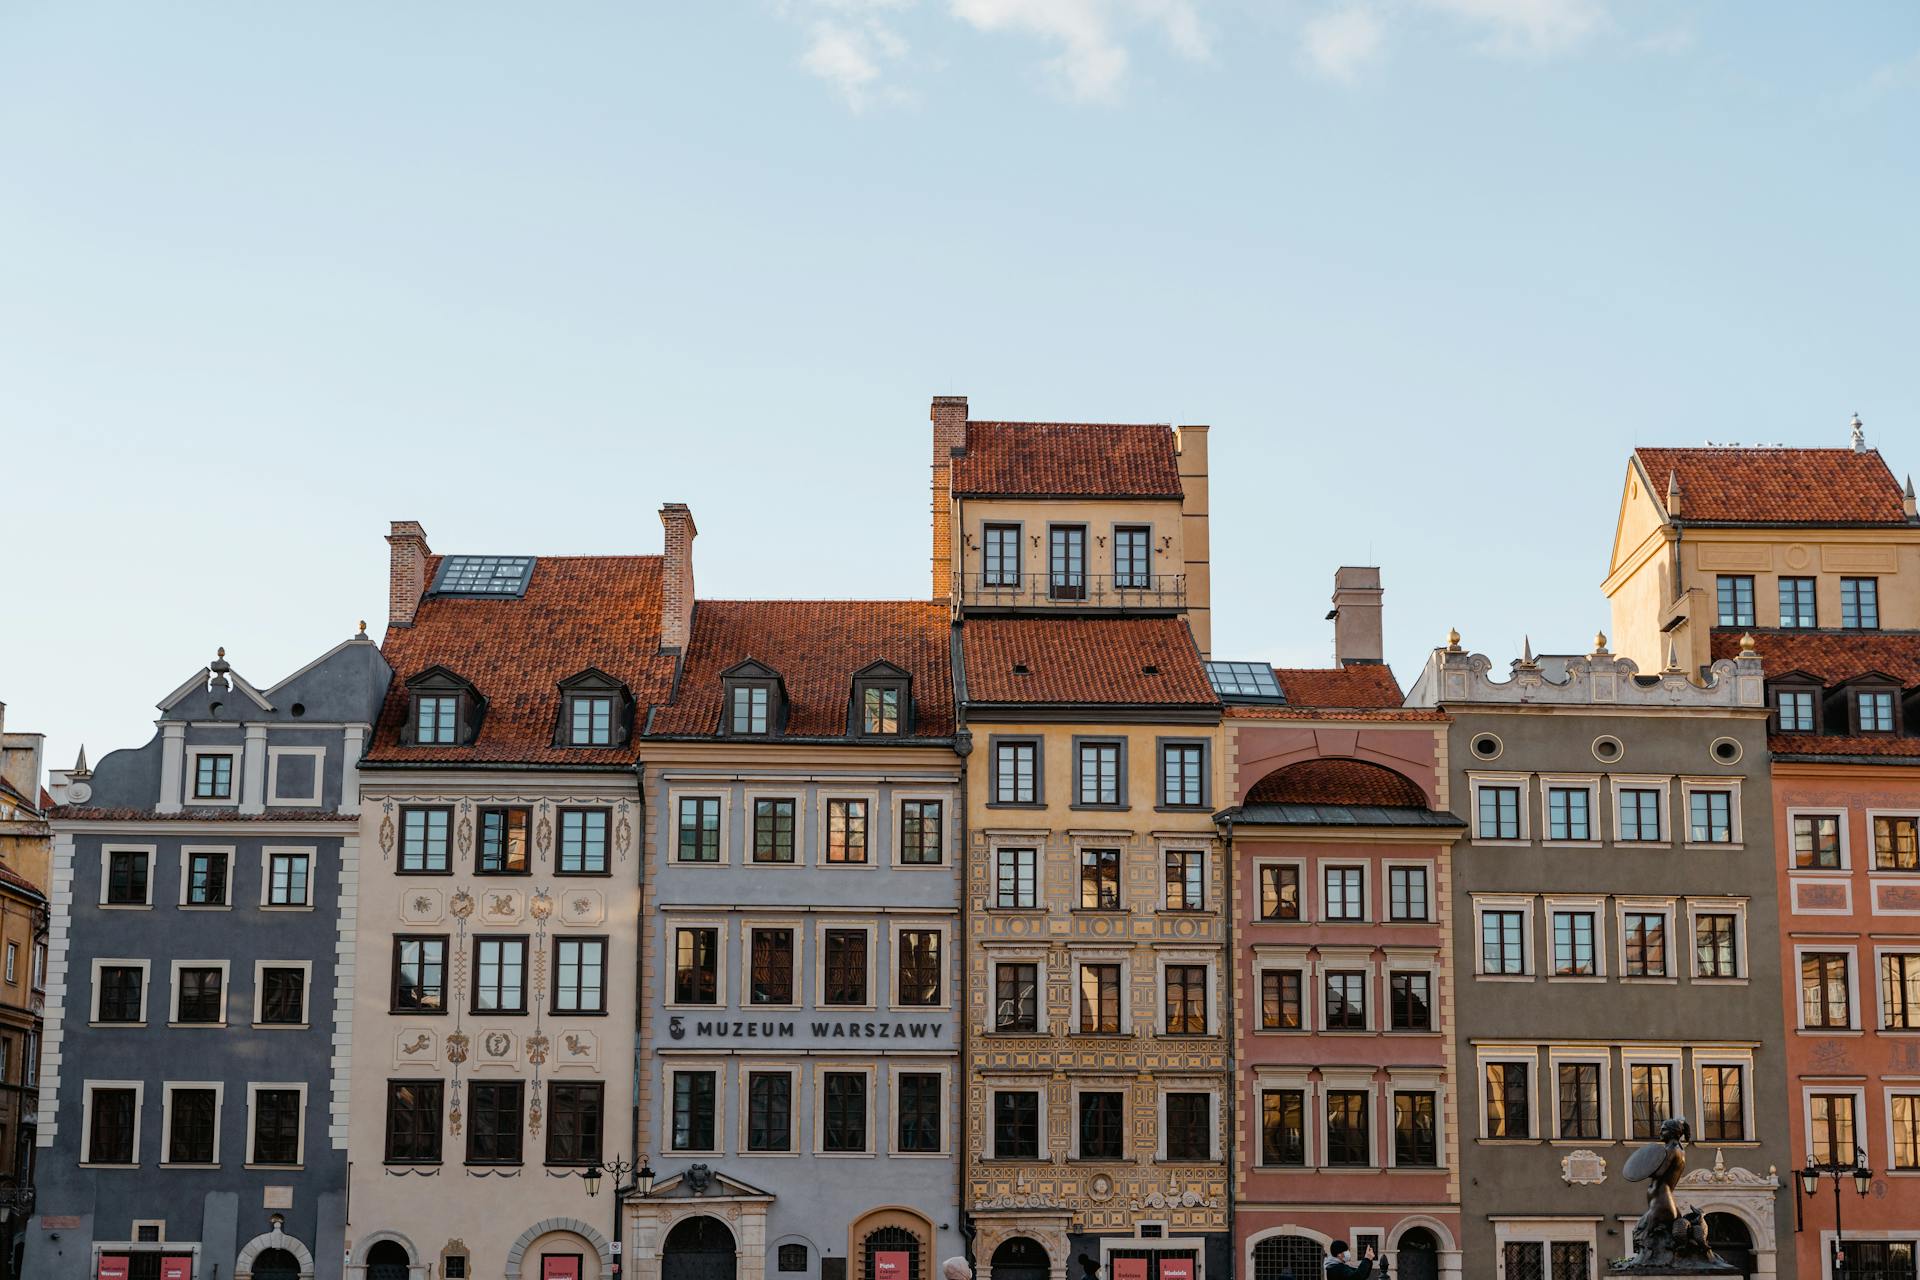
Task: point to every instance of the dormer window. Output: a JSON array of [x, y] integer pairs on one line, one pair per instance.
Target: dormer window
[[882, 701], [754, 701], [880, 709], [596, 710], [749, 713], [1795, 709], [436, 719], [213, 777], [592, 719], [446, 709], [1873, 711]]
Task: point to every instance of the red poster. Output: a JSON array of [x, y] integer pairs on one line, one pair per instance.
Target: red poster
[[890, 1264], [177, 1267], [113, 1266], [552, 1268], [1129, 1269], [1176, 1269]]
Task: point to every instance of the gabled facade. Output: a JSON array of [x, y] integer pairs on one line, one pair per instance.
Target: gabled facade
[[800, 1088], [25, 860], [192, 1105]]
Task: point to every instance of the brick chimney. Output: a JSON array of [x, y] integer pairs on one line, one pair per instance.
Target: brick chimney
[[676, 577], [1356, 615], [407, 574], [949, 433]]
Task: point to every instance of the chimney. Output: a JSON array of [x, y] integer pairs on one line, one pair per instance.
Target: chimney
[[949, 436], [676, 577], [1907, 501], [1356, 615], [1673, 494], [407, 574]]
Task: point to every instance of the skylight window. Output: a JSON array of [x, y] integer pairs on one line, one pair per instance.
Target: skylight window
[[1244, 680], [484, 576]]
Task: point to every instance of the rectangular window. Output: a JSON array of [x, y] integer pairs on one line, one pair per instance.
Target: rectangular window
[[846, 831], [918, 958], [1186, 1000], [494, 1121], [1186, 880], [500, 975], [693, 1111], [1567, 813], [1102, 1125], [1896, 844], [575, 1114], [879, 709], [1280, 1003], [1651, 1085], [201, 997], [1860, 604], [771, 974], [1873, 711], [1640, 814], [289, 876], [1016, 990], [1411, 1001], [845, 959], [1509, 1113], [1001, 555], [1712, 816], [1067, 561], [213, 777], [1347, 1128], [1189, 1126], [1723, 1102], [1796, 710], [276, 1126], [1580, 1100], [119, 999], [1816, 840], [112, 1139], [843, 1120], [919, 1106], [1824, 990], [1573, 944], [1279, 892], [1796, 603], [127, 877], [437, 719], [1407, 893], [773, 830], [1097, 766], [1645, 954], [1182, 774], [1736, 600], [1013, 772], [1099, 879], [769, 1111], [1499, 813], [1900, 991], [592, 721], [749, 708], [696, 966], [583, 842], [580, 975], [1906, 1131], [1099, 999], [192, 1117], [419, 975], [922, 832], [503, 842], [423, 840], [413, 1121], [1346, 893], [283, 996], [1016, 1125], [1501, 942], [207, 879], [1016, 873], [1834, 1140], [699, 829], [1415, 1138], [1283, 1128], [1132, 557], [1716, 950], [1346, 1000]]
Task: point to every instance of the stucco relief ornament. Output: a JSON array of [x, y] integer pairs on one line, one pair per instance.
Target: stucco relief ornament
[[543, 834], [497, 1044], [453, 1113], [462, 904], [1100, 1190], [422, 904], [581, 906], [386, 833], [417, 1044], [466, 834], [500, 904], [457, 1045], [575, 1045], [622, 832], [537, 1047], [1583, 1168], [542, 905], [533, 1114]]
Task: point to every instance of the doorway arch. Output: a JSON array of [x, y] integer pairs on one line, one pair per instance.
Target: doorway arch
[[389, 1260], [1418, 1255], [1020, 1258], [1728, 1236], [698, 1248], [1288, 1257]]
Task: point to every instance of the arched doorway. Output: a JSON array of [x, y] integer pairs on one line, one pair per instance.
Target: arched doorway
[[387, 1260], [1287, 1258], [1419, 1255], [698, 1249], [891, 1253], [1729, 1237], [275, 1264], [1020, 1258]]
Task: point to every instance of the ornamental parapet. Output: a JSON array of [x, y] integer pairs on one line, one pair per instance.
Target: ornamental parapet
[[1453, 676]]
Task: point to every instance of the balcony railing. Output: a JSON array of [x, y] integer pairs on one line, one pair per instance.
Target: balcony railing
[[1121, 592]]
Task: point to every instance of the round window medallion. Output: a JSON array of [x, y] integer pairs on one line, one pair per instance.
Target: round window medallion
[[1486, 746], [1726, 751], [1607, 749]]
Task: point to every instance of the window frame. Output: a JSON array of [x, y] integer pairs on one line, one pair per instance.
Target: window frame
[[1565, 783], [1076, 1138], [585, 1160], [1301, 903], [1125, 579], [1874, 817], [1622, 786], [519, 1158], [998, 742], [439, 1083], [743, 1138], [525, 942], [1603, 1092], [870, 989], [1811, 599], [901, 799], [1033, 851], [1162, 746], [151, 853], [1526, 1057], [1594, 907], [401, 854], [676, 801], [1881, 954], [1164, 964], [585, 812], [751, 800], [88, 1088], [716, 1071], [225, 855], [1726, 584], [174, 992], [305, 969], [605, 943], [670, 992], [1210, 1129], [990, 1122], [1673, 1061], [1036, 962], [190, 776], [750, 929], [1736, 830], [1485, 904], [870, 827], [1699, 908], [897, 929], [1177, 849], [1851, 959], [100, 963], [1812, 690], [896, 1072], [1072, 535], [1427, 874], [1348, 1084], [168, 1088], [1667, 910], [1345, 865], [1083, 743], [506, 813], [268, 854], [1704, 1058], [868, 1074], [1523, 805], [996, 577], [1858, 692], [394, 1007], [1862, 604], [254, 1089], [1123, 988]]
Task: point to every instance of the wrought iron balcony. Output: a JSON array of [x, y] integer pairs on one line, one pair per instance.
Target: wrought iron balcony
[[1122, 593]]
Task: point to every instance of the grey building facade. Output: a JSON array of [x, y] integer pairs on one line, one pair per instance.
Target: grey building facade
[[193, 1107], [1617, 955]]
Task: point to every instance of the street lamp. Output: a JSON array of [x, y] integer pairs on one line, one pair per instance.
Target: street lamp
[[619, 1168], [1839, 1171]]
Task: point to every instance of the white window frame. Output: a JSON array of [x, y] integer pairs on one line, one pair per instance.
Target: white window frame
[[896, 925], [1567, 1056], [1476, 781], [1892, 1091], [1855, 1021], [1736, 826], [1164, 1087], [1199, 845], [1347, 959], [1038, 1087], [751, 926], [724, 795], [1101, 1084], [145, 966], [267, 855], [1870, 854], [717, 1068], [1845, 815], [1300, 867], [896, 828], [671, 961], [274, 756], [168, 1089], [749, 1067], [1591, 905], [1409, 960], [191, 775], [226, 994], [1020, 954], [1348, 1082], [1632, 1056], [910, 1066], [1744, 1060], [1365, 867], [106, 868], [1076, 960], [1415, 1080], [1526, 1055], [875, 825], [87, 1090], [1530, 960], [1272, 1079], [1862, 1123], [1911, 948], [1387, 869], [1164, 960], [1665, 907], [187, 852], [1587, 782], [835, 1066], [260, 968], [1620, 784], [867, 926], [254, 1088], [1735, 907]]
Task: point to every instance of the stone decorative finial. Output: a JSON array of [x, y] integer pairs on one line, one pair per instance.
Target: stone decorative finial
[[1747, 645], [1599, 642], [1453, 639], [1673, 493], [1907, 501], [363, 630], [220, 670], [80, 769], [1526, 650], [1859, 435], [1673, 656]]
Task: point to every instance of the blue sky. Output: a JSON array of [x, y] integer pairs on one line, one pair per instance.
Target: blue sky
[[271, 277]]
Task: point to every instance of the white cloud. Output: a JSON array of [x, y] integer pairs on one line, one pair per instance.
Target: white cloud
[[1527, 26], [851, 48], [1093, 57], [1339, 43]]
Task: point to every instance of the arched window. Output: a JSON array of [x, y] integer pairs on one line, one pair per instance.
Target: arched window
[[1287, 1258], [892, 1240]]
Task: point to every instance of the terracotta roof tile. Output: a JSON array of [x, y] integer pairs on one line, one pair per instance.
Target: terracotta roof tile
[[1777, 486], [816, 646], [1334, 781], [1362, 684], [1251, 711], [1840, 744], [578, 612], [1068, 460], [1099, 661], [1834, 656], [13, 878]]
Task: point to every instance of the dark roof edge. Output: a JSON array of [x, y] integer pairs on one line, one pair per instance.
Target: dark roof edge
[[1040, 495], [1801, 757]]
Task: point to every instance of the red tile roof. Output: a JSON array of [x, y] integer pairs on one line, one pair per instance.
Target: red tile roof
[[1840, 744], [578, 612], [1068, 460], [1336, 781], [1096, 661], [1834, 656], [1361, 684], [131, 813], [1776, 486], [14, 879], [816, 646]]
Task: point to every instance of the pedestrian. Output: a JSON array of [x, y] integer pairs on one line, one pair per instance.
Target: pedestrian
[[1341, 1264]]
